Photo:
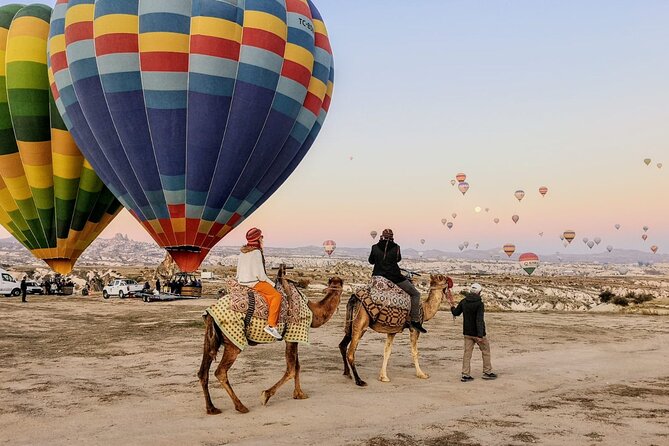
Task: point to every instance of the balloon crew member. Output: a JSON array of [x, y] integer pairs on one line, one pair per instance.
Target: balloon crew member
[[385, 257], [251, 273], [24, 289], [473, 329]]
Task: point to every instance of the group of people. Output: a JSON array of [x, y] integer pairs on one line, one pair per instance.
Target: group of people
[[49, 286], [385, 256]]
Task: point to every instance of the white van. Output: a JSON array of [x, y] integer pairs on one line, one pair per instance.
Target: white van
[[8, 285]]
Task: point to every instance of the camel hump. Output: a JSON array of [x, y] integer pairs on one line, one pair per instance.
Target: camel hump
[[386, 303]]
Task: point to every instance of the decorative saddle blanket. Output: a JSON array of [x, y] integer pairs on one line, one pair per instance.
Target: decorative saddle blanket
[[386, 303], [231, 314]]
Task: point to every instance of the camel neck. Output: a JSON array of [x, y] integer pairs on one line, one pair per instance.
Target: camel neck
[[324, 309], [432, 304]]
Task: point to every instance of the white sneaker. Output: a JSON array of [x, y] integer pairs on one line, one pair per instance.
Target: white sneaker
[[272, 331]]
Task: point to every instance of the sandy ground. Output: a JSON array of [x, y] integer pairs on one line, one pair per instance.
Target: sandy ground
[[122, 372]]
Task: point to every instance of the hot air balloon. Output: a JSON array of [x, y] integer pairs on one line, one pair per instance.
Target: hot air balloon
[[541, 234], [654, 248], [464, 187], [476, 246], [373, 234], [644, 237], [609, 248], [585, 240], [645, 229], [444, 221], [598, 240], [487, 209], [196, 111], [617, 226], [420, 254], [51, 200], [422, 241], [509, 249], [496, 220], [565, 243], [329, 246], [453, 182], [569, 235], [591, 244], [466, 244], [454, 215], [529, 262], [461, 177], [449, 225], [461, 247], [659, 165], [350, 158], [477, 209], [647, 161], [519, 194], [515, 218], [543, 190], [623, 270]]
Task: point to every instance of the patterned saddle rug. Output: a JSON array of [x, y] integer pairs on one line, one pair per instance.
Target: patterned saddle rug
[[386, 303], [231, 314]]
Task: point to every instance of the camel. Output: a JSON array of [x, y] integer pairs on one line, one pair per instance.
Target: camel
[[213, 339], [358, 321]]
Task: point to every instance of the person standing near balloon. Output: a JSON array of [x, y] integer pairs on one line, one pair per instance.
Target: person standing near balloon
[[473, 329], [385, 257], [24, 289], [251, 273]]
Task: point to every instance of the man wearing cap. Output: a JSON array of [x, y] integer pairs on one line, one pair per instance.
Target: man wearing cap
[[385, 257], [473, 329], [251, 273]]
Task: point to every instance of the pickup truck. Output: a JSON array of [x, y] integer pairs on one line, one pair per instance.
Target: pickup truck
[[121, 288]]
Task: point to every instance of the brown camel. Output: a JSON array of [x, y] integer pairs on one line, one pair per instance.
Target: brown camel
[[213, 339], [358, 320]]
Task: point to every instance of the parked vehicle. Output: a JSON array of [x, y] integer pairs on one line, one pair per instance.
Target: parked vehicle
[[8, 285], [121, 288], [33, 287]]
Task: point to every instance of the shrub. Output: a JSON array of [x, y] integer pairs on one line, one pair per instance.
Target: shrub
[[643, 297], [619, 300], [606, 296]]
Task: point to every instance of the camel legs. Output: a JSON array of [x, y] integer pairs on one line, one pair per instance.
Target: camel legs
[[211, 345], [358, 328], [387, 350], [343, 345], [230, 353], [292, 371], [414, 354]]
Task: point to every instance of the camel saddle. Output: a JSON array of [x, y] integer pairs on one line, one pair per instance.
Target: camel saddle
[[386, 303], [252, 304]]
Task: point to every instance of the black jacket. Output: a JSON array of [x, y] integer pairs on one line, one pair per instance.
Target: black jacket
[[385, 257], [471, 307]]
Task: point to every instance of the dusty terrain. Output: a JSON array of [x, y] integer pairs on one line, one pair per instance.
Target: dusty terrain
[[88, 371]]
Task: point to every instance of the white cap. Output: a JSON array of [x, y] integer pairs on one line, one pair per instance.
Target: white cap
[[475, 288]]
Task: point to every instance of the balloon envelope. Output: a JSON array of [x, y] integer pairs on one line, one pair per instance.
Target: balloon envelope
[[454, 215], [609, 248], [515, 218], [373, 234], [569, 235], [443, 221], [422, 241], [598, 240], [543, 190], [591, 244], [509, 249], [193, 112], [461, 247], [654, 248], [644, 237], [496, 220], [529, 262], [461, 177], [449, 225], [464, 187], [329, 246], [519, 194], [647, 161], [51, 200], [617, 226]]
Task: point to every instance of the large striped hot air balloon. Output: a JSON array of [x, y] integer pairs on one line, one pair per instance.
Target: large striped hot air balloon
[[329, 246], [50, 198], [529, 262], [196, 110], [509, 249]]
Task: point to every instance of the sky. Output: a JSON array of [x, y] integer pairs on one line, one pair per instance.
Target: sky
[[516, 94]]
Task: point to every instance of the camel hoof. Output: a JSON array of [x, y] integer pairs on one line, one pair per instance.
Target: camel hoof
[[384, 379], [300, 396], [213, 411], [422, 375], [264, 397], [242, 409], [361, 383]]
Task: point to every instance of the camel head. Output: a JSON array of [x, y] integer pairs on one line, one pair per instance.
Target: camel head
[[441, 283], [322, 311], [335, 283]]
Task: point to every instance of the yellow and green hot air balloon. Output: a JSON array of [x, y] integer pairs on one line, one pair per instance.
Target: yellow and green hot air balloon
[[51, 200]]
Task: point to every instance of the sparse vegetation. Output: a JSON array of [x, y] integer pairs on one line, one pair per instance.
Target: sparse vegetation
[[606, 296], [620, 300], [642, 297]]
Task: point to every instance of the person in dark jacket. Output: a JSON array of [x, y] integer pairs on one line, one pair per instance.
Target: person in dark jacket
[[385, 257], [473, 329], [24, 289]]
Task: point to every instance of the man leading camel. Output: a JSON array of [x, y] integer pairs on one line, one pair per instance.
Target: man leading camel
[[385, 257], [251, 273]]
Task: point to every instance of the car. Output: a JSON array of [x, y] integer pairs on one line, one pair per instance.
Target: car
[[33, 287], [122, 288], [8, 285]]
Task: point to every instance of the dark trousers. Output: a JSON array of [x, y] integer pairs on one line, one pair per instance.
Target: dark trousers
[[23, 295], [411, 290]]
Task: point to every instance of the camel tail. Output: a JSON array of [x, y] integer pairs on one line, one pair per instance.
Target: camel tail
[[213, 338], [350, 311]]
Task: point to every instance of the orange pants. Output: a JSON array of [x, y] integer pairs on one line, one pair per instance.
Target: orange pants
[[273, 299]]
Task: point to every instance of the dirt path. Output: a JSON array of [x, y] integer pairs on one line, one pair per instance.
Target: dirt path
[[87, 371]]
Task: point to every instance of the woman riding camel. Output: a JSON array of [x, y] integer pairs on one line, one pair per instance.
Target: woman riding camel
[[385, 257], [251, 273]]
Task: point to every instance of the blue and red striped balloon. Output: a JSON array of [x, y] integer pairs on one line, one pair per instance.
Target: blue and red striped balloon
[[193, 112]]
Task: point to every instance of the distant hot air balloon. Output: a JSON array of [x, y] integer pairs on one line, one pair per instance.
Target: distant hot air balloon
[[487, 209], [598, 240], [51, 200], [529, 262], [569, 235], [543, 190], [617, 226], [477, 209], [373, 234], [659, 165], [622, 270], [192, 112], [591, 244], [420, 254], [466, 244], [519, 194], [541, 234], [422, 241], [454, 215], [644, 237], [329, 246], [461, 177], [654, 248], [645, 229], [565, 243], [647, 161], [476, 246], [350, 158], [609, 248], [453, 182], [515, 218], [444, 221], [496, 220], [509, 249], [585, 240], [461, 247], [449, 225], [464, 187]]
